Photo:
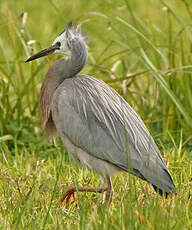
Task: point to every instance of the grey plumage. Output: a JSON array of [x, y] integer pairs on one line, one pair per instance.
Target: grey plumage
[[97, 126]]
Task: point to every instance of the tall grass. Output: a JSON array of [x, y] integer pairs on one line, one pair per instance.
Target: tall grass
[[160, 50], [143, 50]]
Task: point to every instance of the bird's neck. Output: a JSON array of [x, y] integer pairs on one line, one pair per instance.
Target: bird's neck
[[76, 62], [58, 72]]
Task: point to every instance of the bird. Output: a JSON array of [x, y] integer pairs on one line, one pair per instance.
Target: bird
[[97, 126]]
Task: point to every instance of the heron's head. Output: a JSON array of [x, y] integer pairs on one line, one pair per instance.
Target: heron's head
[[69, 40]]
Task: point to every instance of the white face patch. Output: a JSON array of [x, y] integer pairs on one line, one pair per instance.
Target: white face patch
[[64, 49], [66, 38]]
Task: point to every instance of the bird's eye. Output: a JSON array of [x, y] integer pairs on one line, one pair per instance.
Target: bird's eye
[[58, 43]]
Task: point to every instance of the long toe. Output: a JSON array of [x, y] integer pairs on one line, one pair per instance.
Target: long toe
[[67, 195]]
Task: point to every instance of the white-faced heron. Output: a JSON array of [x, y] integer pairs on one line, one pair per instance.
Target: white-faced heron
[[97, 126]]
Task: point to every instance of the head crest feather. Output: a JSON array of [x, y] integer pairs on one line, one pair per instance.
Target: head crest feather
[[73, 31]]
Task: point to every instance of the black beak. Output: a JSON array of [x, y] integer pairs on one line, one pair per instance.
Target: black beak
[[44, 52]]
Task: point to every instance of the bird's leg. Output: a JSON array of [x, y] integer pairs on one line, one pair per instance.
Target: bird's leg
[[73, 189], [102, 184], [109, 191]]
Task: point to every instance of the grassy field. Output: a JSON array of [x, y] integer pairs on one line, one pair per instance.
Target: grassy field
[[143, 49]]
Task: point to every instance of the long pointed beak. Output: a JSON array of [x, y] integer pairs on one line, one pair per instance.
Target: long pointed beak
[[44, 52]]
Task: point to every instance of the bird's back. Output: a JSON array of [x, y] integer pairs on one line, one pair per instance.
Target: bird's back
[[95, 118]]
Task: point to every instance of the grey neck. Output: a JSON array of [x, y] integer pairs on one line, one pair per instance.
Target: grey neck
[[58, 72], [67, 68]]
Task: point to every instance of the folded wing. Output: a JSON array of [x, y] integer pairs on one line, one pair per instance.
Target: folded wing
[[98, 120]]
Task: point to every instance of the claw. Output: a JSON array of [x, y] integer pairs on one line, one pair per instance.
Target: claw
[[71, 192], [67, 196]]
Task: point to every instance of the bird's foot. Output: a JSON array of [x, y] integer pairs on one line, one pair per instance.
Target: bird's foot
[[71, 192]]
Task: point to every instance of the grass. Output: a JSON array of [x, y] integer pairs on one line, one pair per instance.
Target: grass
[[143, 50]]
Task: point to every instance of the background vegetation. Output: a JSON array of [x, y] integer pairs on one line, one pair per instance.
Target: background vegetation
[[141, 48]]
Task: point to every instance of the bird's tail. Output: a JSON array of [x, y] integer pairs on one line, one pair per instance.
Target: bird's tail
[[160, 179], [165, 188]]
